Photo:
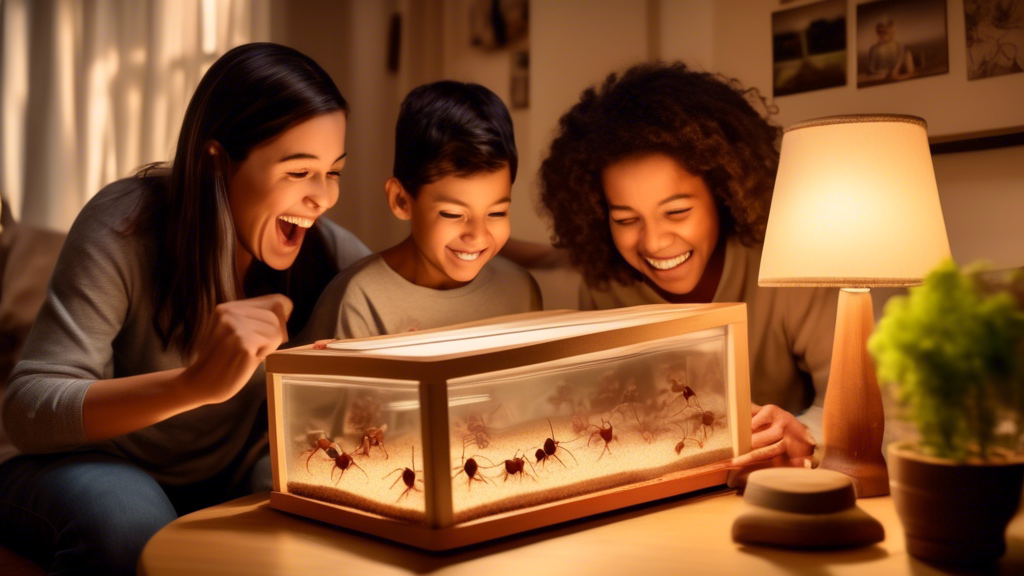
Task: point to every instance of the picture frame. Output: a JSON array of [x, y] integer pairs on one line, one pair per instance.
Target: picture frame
[[901, 40], [963, 114]]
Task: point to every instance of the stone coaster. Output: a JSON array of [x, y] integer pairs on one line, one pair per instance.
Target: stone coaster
[[803, 508]]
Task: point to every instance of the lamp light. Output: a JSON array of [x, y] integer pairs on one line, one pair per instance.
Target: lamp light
[[855, 206]]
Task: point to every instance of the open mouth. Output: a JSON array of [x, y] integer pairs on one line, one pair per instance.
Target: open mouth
[[668, 263], [466, 256], [292, 229]]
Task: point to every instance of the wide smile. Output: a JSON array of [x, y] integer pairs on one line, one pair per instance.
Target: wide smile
[[291, 229], [465, 256], [668, 263]]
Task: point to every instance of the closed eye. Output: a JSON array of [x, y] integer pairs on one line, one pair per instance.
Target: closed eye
[[498, 214], [625, 221], [450, 215], [335, 173], [302, 174], [677, 212]]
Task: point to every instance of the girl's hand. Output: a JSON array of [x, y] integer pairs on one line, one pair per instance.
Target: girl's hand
[[240, 335], [777, 434]]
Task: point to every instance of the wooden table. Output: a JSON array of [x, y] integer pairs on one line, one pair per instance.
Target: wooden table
[[686, 535]]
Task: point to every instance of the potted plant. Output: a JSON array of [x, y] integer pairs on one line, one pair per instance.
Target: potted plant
[[953, 354]]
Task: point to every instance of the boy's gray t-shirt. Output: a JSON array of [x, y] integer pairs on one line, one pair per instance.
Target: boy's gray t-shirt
[[370, 299]]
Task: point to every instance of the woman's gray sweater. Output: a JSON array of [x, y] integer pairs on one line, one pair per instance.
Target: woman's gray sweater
[[97, 323]]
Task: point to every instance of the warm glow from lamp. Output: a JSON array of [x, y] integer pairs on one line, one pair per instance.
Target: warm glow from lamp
[[855, 206]]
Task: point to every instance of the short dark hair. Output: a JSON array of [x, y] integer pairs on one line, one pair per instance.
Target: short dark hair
[[450, 127], [705, 122], [249, 95]]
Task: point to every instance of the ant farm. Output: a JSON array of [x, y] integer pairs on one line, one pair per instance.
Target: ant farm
[[443, 438]]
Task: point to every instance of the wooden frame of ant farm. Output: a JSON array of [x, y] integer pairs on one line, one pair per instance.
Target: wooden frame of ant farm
[[444, 438]]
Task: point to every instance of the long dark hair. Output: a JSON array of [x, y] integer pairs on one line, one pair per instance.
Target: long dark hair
[[249, 95]]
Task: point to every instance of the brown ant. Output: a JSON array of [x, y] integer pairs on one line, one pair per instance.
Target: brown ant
[[373, 437], [321, 443], [550, 446], [706, 420], [515, 466], [342, 461], [687, 394], [408, 476], [471, 468], [682, 443], [649, 428], [605, 433], [580, 422], [478, 432]]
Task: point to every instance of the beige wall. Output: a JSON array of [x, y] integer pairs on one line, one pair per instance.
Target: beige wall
[[349, 39], [576, 43], [982, 193], [982, 196]]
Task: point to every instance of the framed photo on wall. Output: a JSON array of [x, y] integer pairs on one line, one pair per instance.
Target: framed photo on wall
[[994, 31], [901, 40], [968, 87], [809, 47]]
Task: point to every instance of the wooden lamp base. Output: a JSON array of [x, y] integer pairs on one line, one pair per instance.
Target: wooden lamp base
[[853, 420]]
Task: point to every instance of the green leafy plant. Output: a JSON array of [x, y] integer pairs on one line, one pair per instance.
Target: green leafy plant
[[953, 353]]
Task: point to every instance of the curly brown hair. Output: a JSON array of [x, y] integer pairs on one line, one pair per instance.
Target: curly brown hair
[[703, 121]]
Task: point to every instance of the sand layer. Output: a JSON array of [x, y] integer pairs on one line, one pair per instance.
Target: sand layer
[[629, 459], [584, 468], [374, 488]]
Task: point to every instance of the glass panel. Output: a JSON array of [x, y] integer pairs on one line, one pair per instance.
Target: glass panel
[[551, 431], [509, 333], [355, 442]]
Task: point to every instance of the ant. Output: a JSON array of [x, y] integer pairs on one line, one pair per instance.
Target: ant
[[342, 461], [321, 443], [373, 437], [706, 420], [580, 422], [550, 446], [515, 466], [687, 394], [478, 433], [471, 468], [682, 443], [650, 427], [605, 433], [709, 420], [408, 476]]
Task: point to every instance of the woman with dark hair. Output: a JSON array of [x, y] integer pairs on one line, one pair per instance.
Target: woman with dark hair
[[139, 395], [658, 184]]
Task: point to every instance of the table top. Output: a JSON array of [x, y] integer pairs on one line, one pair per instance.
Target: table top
[[691, 534]]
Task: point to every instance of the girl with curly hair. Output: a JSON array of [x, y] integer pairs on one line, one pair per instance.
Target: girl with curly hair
[[658, 184]]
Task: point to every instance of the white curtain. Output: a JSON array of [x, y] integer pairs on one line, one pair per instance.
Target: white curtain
[[93, 89]]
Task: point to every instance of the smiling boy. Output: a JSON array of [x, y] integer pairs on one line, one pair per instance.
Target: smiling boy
[[455, 162]]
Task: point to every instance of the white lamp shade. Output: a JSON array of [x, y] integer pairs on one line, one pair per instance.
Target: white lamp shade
[[855, 205]]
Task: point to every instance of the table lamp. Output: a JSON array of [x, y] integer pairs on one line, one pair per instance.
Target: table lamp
[[855, 207]]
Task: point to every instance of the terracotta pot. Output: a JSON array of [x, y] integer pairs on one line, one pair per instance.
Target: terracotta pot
[[954, 512]]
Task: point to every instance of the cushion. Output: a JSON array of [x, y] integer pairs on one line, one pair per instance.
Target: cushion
[[27, 258]]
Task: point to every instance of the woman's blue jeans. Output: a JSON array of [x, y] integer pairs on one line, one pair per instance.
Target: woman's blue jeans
[[92, 513]]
